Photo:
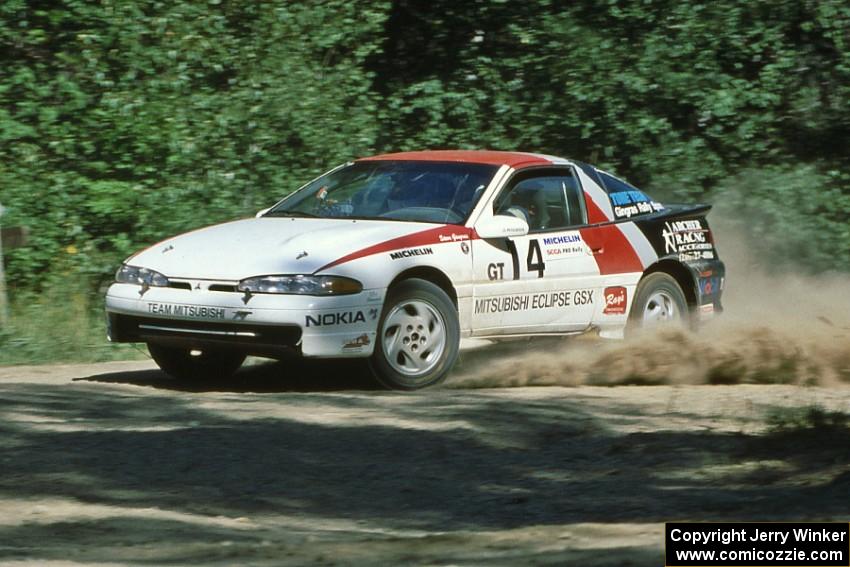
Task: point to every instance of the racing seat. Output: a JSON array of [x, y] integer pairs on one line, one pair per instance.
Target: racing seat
[[530, 196]]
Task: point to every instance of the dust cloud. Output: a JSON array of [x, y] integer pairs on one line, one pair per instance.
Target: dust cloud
[[779, 327]]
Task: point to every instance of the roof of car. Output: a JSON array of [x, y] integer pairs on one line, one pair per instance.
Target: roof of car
[[512, 159]]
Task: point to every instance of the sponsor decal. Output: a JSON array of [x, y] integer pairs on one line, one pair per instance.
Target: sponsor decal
[[632, 210], [333, 319], [628, 197], [453, 237], [615, 300], [357, 343], [629, 203], [685, 236], [563, 239], [531, 301], [563, 246], [706, 311], [564, 252], [192, 311], [411, 252], [709, 286], [698, 255], [340, 318]]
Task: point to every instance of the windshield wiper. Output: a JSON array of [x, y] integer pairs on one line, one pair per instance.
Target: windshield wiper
[[290, 214]]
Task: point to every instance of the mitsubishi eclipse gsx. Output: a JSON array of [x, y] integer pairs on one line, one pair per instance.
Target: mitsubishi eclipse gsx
[[395, 258]]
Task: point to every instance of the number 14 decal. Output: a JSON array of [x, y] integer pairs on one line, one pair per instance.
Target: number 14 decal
[[533, 250]]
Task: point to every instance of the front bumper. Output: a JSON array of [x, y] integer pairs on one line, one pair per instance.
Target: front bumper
[[201, 314]]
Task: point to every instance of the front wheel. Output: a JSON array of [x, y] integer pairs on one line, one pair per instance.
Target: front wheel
[[418, 337], [659, 302], [191, 365]]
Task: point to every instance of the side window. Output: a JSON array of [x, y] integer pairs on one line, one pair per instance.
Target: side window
[[547, 201], [614, 185], [627, 200]]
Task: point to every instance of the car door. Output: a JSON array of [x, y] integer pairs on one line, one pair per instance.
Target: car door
[[546, 280]]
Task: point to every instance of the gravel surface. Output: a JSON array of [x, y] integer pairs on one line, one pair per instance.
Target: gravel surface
[[115, 464]]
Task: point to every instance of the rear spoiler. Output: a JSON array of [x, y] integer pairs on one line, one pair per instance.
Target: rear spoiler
[[677, 211]]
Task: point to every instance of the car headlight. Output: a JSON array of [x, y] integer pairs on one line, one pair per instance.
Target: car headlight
[[301, 285], [140, 276]]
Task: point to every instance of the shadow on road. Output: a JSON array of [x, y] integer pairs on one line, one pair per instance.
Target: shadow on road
[[296, 467], [291, 375], [298, 374]]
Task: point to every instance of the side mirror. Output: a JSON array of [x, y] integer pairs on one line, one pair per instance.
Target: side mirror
[[261, 213], [502, 226]]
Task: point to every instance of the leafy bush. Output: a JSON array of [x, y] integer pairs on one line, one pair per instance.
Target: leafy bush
[[122, 123]]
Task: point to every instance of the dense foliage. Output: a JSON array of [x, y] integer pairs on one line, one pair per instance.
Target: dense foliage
[[125, 122]]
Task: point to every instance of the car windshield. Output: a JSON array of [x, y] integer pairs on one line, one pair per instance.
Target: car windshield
[[421, 191]]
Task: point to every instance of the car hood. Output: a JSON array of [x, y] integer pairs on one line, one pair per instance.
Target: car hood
[[262, 246]]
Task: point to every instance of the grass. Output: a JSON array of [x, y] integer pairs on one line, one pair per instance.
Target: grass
[[809, 438], [807, 418], [58, 326]]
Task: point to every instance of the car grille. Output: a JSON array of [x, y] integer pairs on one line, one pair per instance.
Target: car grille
[[129, 328], [226, 287]]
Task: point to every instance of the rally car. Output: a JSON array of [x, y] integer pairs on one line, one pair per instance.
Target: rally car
[[394, 258]]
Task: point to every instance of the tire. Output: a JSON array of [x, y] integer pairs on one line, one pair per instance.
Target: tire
[[207, 365], [658, 302], [410, 352]]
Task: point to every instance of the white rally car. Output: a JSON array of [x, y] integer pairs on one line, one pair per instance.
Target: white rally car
[[395, 257]]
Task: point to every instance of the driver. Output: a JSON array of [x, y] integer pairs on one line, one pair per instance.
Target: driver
[[529, 198]]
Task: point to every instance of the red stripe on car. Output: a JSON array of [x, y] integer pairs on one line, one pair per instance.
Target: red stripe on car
[[511, 159], [611, 249], [437, 235], [594, 213], [613, 252]]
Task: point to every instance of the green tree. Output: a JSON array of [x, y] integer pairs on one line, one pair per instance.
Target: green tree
[[121, 123]]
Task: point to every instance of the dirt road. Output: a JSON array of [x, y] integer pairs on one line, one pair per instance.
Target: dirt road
[[113, 464]]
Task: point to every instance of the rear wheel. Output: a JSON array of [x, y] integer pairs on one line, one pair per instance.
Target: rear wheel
[[659, 302], [418, 336], [196, 365]]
